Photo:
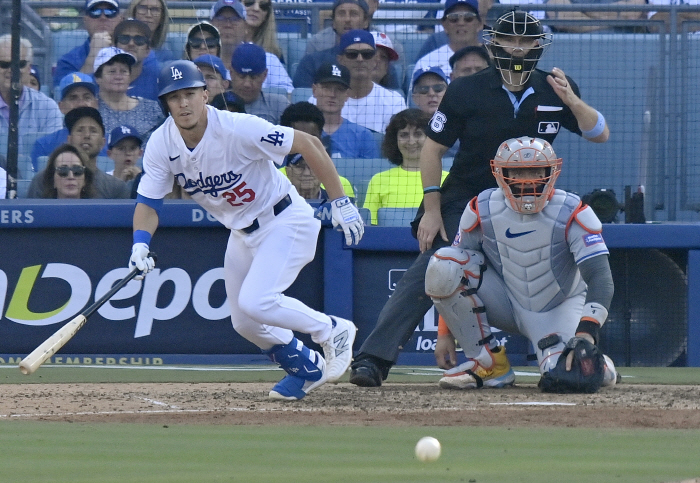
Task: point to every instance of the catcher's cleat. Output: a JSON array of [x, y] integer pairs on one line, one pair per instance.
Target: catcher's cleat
[[474, 374]]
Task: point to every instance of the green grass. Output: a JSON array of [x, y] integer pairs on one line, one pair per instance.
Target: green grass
[[36, 451], [71, 452]]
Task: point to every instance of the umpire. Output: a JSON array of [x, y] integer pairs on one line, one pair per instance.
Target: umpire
[[508, 100]]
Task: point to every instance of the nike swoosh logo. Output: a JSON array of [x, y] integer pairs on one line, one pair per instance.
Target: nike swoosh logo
[[173, 159], [516, 235]]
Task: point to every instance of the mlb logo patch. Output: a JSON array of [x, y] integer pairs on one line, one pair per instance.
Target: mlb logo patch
[[547, 127], [592, 239]]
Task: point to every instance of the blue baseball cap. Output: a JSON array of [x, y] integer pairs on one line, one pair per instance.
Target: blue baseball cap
[[215, 63], [429, 70], [473, 4], [249, 59], [122, 132], [76, 79], [355, 37], [234, 4]]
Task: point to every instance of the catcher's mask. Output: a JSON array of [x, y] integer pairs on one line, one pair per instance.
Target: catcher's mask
[[522, 34], [526, 169]]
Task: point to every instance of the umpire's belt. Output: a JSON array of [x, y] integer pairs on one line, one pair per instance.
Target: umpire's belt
[[277, 209]]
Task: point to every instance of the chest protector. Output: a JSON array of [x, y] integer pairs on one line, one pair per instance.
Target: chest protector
[[530, 252]]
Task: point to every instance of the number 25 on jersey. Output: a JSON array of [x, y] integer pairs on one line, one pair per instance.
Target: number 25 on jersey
[[239, 195]]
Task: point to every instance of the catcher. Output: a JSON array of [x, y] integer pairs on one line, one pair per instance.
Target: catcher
[[529, 259]]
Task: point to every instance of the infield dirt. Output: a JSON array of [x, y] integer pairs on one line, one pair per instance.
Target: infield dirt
[[395, 404]]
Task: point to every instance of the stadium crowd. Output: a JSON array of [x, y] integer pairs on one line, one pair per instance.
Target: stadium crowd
[[354, 72]]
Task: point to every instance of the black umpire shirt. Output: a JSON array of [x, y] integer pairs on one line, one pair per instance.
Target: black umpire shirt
[[478, 111]]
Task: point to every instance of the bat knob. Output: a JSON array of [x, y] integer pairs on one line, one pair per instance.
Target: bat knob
[[153, 256]]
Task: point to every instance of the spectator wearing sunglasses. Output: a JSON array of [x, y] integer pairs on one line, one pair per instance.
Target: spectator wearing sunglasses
[[67, 176], [155, 14], [38, 114], [262, 26], [429, 86], [133, 36], [462, 24], [369, 104], [202, 39], [87, 134], [100, 19]]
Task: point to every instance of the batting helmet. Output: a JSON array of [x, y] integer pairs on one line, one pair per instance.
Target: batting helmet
[[179, 74], [526, 195]]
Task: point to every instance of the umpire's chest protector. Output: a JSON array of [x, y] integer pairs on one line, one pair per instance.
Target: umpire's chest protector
[[531, 252]]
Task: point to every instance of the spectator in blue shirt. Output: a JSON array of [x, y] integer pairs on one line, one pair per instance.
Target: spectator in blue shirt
[[347, 139], [38, 114], [134, 36], [100, 19], [75, 90]]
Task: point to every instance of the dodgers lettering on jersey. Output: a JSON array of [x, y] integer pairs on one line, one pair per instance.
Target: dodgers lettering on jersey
[[231, 172]]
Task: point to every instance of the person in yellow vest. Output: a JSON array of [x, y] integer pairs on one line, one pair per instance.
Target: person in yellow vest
[[400, 187]]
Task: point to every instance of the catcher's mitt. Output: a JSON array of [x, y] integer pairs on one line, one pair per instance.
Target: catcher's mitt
[[586, 374]]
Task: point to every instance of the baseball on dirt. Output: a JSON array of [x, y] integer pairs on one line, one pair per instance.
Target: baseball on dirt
[[428, 449]]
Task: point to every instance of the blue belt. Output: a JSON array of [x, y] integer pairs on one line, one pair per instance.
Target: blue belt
[[277, 209]]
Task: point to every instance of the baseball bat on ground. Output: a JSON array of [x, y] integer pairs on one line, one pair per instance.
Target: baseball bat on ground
[[59, 338]]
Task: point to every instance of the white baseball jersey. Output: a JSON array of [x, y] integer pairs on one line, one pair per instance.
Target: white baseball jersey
[[536, 255], [230, 173]]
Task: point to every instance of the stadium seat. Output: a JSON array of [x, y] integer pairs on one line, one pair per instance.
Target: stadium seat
[[175, 42], [396, 216], [359, 171], [300, 94], [447, 163], [366, 215], [105, 164], [23, 187], [64, 41]]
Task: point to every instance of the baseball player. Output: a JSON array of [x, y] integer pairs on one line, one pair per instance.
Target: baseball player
[[529, 259], [509, 99], [222, 160]]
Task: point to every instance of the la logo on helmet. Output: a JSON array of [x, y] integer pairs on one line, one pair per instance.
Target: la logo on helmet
[[175, 72]]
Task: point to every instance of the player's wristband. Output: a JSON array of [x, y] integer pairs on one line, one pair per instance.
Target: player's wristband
[[142, 236], [431, 189], [594, 312], [597, 129]]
